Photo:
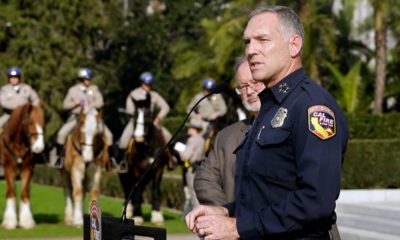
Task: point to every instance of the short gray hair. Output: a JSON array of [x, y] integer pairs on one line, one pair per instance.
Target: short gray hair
[[239, 61], [290, 21]]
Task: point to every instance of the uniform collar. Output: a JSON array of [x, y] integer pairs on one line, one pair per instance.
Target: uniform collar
[[284, 87], [83, 87]]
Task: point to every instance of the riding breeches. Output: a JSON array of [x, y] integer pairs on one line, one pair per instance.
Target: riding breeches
[[128, 133], [3, 119], [69, 126]]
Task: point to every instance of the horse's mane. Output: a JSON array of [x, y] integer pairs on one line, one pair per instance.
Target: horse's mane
[[18, 115]]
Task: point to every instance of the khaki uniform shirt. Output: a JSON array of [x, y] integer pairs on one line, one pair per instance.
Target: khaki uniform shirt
[[213, 104], [194, 151], [90, 97], [13, 96], [156, 101], [214, 181]]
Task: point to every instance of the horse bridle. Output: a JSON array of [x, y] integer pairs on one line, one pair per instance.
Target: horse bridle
[[76, 147], [17, 158]]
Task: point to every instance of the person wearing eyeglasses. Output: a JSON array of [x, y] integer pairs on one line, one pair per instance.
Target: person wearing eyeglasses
[[214, 180]]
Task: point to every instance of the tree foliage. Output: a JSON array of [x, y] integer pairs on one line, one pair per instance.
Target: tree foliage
[[190, 40]]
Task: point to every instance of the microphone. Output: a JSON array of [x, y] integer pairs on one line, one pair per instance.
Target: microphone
[[216, 90]]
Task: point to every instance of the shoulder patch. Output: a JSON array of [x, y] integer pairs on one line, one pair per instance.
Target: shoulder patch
[[321, 121]]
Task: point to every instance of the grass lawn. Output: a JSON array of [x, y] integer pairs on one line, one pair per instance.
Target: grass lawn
[[48, 210]]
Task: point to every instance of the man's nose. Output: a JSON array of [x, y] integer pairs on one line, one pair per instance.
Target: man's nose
[[251, 49], [250, 90]]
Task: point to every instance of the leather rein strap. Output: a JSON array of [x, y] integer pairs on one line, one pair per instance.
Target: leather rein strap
[[19, 159]]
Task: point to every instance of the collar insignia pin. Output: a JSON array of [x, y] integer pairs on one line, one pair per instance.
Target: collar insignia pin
[[284, 88], [279, 117]]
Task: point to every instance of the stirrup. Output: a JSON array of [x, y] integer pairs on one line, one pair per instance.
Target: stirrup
[[121, 167], [58, 164]]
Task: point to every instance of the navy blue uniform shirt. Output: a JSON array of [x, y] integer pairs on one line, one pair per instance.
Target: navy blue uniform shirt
[[288, 167]]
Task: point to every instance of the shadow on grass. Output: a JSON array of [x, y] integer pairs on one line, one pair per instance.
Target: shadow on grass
[[46, 218]]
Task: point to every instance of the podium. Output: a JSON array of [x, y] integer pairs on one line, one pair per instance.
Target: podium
[[113, 229]]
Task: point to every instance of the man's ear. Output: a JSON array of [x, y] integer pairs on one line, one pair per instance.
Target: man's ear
[[296, 44]]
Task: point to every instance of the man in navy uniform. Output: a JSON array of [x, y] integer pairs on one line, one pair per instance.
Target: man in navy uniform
[[289, 165]]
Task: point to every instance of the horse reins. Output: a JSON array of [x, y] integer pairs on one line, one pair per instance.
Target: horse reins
[[76, 147], [19, 159]]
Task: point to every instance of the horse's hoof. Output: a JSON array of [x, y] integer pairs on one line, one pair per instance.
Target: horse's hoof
[[78, 223], [138, 220], [26, 220], [68, 221], [157, 218], [27, 224], [10, 215], [9, 225]]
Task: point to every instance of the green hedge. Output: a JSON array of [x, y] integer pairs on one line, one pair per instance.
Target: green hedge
[[172, 123], [368, 126], [372, 163]]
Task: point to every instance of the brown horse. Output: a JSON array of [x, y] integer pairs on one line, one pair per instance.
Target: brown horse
[[22, 136], [85, 157], [146, 142]]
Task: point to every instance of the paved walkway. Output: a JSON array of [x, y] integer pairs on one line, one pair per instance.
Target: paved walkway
[[169, 237]]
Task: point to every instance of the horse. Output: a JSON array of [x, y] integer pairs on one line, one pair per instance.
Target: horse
[[146, 142], [21, 137], [85, 157]]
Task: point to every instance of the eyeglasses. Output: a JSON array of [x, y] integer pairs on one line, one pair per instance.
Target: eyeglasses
[[245, 88]]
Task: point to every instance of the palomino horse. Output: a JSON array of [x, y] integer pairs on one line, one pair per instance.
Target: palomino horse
[[146, 142], [85, 157], [22, 136]]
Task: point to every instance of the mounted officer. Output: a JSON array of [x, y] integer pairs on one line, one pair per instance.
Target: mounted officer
[[15, 94], [82, 95], [156, 101], [209, 109]]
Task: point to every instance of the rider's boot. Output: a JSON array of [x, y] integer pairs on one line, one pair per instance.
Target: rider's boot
[[60, 156], [56, 158]]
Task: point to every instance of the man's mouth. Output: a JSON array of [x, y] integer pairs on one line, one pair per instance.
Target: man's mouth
[[254, 65], [252, 99]]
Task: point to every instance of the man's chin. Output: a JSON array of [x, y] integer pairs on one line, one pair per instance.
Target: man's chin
[[258, 76], [252, 107]]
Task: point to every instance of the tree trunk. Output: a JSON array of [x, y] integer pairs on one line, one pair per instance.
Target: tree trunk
[[380, 43]]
